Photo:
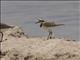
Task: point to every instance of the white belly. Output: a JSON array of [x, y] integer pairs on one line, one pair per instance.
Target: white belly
[[47, 28]]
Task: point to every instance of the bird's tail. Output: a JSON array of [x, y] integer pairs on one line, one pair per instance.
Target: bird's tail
[[59, 24]]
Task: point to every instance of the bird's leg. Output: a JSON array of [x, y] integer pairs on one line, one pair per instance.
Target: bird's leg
[[53, 35], [50, 35]]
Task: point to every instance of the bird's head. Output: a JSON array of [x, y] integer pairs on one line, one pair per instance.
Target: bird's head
[[40, 20]]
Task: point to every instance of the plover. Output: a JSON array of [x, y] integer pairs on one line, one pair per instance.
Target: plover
[[47, 26]]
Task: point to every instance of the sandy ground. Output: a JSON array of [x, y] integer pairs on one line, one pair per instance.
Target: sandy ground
[[18, 46]]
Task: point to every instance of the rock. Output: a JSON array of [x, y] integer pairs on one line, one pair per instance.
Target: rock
[[15, 32], [4, 27], [37, 48], [13, 55], [1, 36]]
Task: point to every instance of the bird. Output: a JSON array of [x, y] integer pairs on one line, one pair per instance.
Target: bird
[[47, 26]]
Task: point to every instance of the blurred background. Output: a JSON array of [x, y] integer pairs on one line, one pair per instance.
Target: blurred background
[[23, 13]]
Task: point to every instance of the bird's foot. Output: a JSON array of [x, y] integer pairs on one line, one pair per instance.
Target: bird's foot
[[53, 37], [50, 37]]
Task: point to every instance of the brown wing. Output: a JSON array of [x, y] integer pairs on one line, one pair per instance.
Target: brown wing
[[52, 24], [49, 24]]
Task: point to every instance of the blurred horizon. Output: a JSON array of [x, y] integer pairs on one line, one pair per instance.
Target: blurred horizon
[[23, 13]]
